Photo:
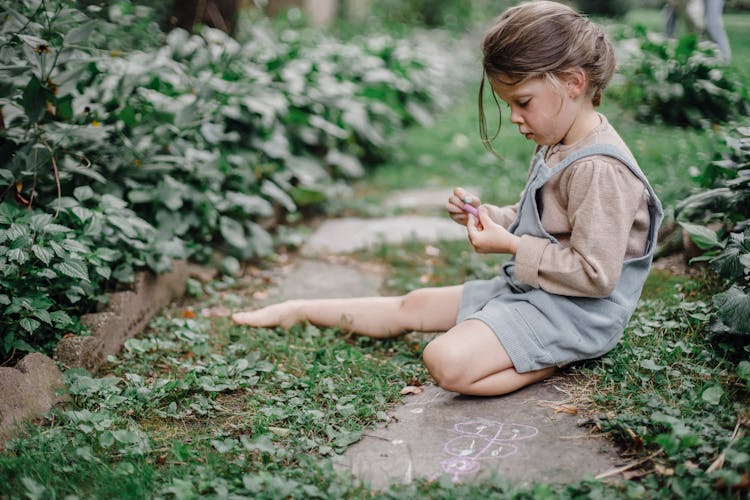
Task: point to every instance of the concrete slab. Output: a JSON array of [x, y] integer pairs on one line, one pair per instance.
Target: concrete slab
[[353, 234], [321, 279], [519, 436], [421, 199]]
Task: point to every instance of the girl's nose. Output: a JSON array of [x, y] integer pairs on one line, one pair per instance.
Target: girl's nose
[[515, 117]]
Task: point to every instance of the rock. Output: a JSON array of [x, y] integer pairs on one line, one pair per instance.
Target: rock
[[28, 391]]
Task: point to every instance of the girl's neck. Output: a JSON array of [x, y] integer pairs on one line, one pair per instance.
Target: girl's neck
[[588, 119]]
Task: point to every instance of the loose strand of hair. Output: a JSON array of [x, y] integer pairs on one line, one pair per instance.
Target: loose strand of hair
[[486, 140]]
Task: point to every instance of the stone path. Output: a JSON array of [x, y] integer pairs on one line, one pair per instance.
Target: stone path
[[531, 435]]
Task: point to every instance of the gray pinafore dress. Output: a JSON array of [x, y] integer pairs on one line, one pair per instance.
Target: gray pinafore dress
[[539, 329]]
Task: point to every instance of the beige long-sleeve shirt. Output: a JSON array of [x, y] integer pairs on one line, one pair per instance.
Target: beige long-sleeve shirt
[[597, 210]]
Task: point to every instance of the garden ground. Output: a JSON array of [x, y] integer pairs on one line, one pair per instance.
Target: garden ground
[[198, 407]]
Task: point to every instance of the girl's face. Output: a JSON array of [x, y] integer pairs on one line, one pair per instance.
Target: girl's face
[[543, 112]]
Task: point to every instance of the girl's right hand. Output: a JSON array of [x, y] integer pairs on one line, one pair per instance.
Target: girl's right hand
[[456, 204]]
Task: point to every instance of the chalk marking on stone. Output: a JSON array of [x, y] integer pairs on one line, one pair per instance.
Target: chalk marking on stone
[[465, 459]]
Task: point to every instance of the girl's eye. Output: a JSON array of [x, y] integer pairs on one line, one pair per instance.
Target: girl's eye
[[524, 103]]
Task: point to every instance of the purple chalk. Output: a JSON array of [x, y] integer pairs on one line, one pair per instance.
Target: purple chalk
[[471, 209]]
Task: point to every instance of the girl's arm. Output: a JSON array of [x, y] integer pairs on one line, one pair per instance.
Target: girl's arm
[[605, 202]]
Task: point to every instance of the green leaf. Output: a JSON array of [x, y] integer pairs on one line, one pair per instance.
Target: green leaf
[[702, 236], [104, 272], [83, 193], [82, 213], [34, 100], [229, 266], [46, 273], [73, 269], [733, 308], [74, 247], [106, 439], [29, 324], [56, 228], [125, 436], [42, 253], [40, 221], [233, 233], [649, 364], [34, 490], [79, 34], [713, 394], [17, 255], [743, 371]]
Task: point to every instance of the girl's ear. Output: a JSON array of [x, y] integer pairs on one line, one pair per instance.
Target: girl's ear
[[575, 82]]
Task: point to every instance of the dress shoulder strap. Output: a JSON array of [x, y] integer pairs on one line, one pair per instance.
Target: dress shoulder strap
[[601, 149]]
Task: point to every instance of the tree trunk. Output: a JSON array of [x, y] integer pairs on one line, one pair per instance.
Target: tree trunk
[[276, 7], [220, 14]]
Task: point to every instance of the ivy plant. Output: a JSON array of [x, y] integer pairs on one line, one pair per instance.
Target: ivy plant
[[725, 200]]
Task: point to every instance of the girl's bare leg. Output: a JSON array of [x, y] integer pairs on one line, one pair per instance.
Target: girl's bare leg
[[426, 309], [470, 359]]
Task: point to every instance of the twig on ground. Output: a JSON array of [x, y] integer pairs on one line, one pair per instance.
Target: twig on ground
[[618, 470], [719, 462]]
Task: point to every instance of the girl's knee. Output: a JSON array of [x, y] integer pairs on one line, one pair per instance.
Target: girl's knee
[[445, 364]]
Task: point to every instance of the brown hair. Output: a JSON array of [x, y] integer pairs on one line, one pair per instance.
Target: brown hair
[[544, 39]]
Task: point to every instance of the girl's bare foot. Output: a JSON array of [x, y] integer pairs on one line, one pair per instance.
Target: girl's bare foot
[[284, 314]]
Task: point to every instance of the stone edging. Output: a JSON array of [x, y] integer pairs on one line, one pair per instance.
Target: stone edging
[[32, 387]]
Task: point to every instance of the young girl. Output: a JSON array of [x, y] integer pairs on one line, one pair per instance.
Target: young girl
[[581, 237]]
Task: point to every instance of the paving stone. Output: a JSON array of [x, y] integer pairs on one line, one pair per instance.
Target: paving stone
[[352, 234], [428, 198], [519, 436], [321, 279]]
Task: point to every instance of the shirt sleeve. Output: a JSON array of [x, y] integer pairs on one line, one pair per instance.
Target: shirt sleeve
[[603, 197], [503, 215]]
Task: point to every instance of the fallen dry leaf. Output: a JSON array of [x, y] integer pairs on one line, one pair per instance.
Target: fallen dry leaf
[[187, 313], [569, 409], [411, 389], [664, 471]]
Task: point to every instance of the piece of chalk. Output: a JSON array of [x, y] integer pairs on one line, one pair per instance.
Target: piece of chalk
[[471, 209]]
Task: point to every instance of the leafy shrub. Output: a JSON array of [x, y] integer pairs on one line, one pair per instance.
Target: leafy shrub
[[176, 148], [54, 269], [725, 200], [680, 82]]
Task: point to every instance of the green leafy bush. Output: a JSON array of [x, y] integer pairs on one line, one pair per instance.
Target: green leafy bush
[[725, 200], [679, 82], [190, 143], [54, 269]]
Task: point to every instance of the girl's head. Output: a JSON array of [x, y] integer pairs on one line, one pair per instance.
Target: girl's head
[[546, 40]]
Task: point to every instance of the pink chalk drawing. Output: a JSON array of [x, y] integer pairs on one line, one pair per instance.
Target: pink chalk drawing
[[482, 439]]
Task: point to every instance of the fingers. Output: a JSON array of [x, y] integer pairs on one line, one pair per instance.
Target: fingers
[[460, 203]]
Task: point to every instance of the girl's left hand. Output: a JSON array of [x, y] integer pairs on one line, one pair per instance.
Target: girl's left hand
[[486, 236]]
